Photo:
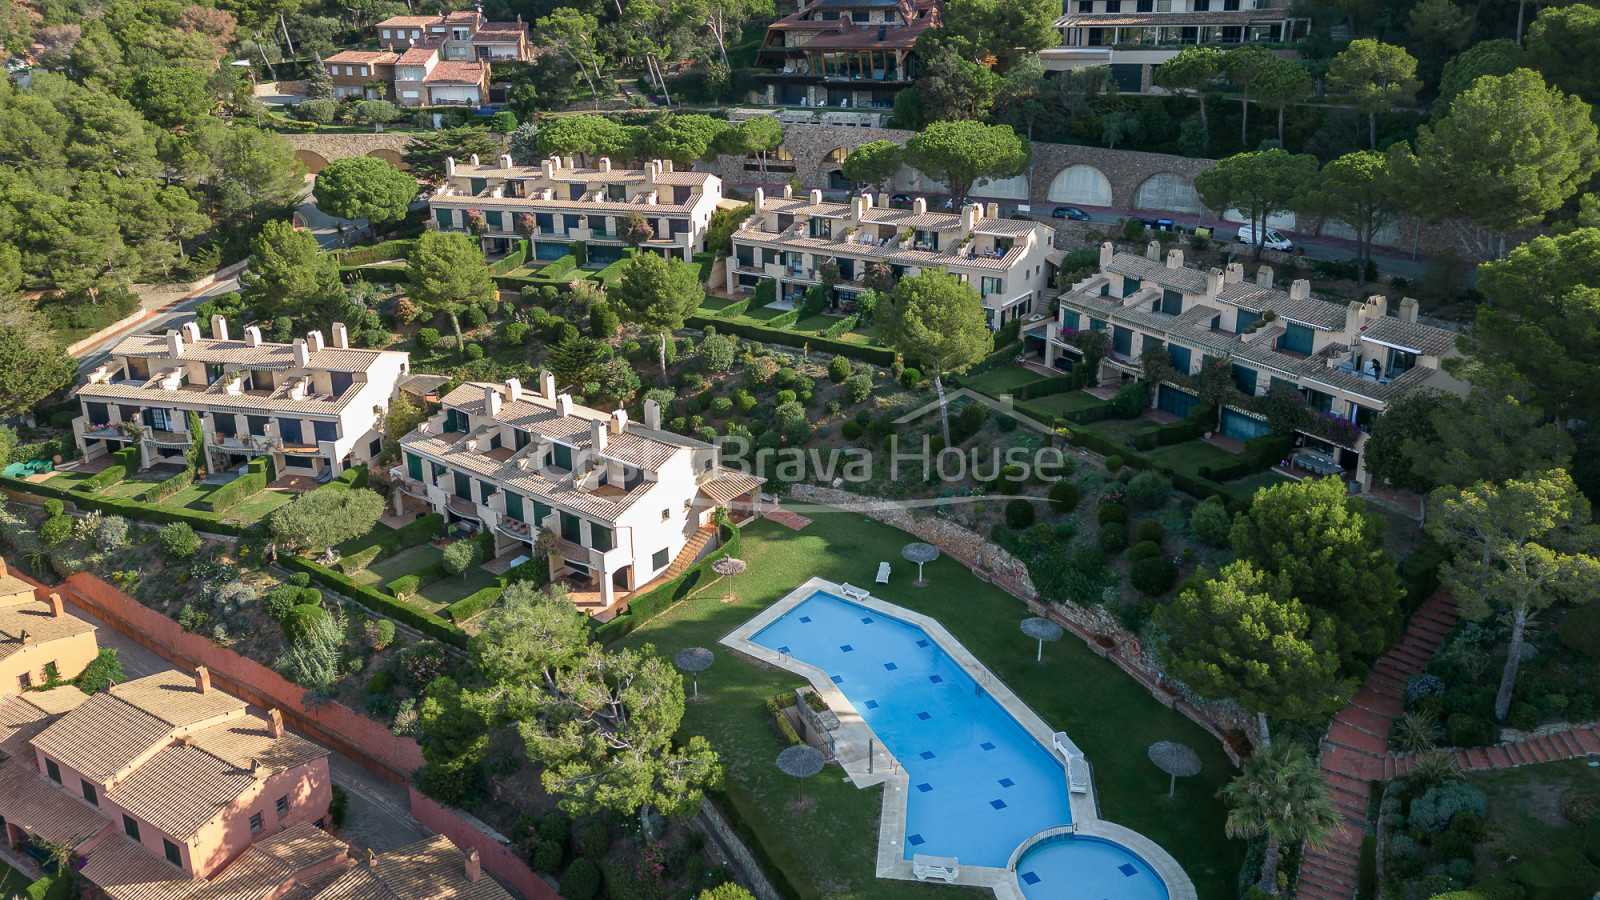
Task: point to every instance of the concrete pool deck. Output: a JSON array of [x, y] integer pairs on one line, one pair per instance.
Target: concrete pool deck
[[854, 739]]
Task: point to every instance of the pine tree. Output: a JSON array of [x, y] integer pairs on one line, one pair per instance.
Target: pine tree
[[319, 85]]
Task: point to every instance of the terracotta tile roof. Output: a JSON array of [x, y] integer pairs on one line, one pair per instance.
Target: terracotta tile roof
[[101, 737], [21, 718], [217, 397], [126, 870], [926, 259], [34, 618], [500, 31], [457, 73], [729, 484], [56, 701], [30, 798], [172, 697], [1412, 336], [637, 446], [261, 871], [905, 218], [13, 587], [1308, 311], [576, 207], [180, 789], [247, 740], [407, 22], [421, 52], [278, 357], [1004, 227], [311, 886], [365, 57], [431, 869], [1133, 265]]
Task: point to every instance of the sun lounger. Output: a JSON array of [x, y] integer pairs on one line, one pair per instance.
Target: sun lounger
[[853, 592], [944, 868], [1077, 763], [883, 573]]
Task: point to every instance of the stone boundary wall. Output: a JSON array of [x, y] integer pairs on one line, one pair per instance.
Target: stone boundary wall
[[739, 856], [128, 321], [494, 850], [1004, 570], [356, 736]]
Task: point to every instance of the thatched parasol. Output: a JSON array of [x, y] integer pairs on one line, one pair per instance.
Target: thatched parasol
[[694, 661], [1042, 630], [729, 566], [802, 761], [1175, 759], [920, 553]]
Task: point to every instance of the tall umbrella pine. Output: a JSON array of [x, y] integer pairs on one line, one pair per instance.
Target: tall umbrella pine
[[448, 273], [939, 320], [657, 294]]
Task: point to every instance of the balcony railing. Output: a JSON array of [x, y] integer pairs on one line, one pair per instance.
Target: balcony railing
[[465, 508], [519, 530]]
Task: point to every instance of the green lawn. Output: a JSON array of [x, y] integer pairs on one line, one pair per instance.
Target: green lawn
[[1060, 404], [1119, 429], [764, 314], [1002, 381], [1524, 817], [451, 588], [12, 882], [405, 562], [195, 496], [829, 850], [1245, 488], [1190, 456], [716, 304]]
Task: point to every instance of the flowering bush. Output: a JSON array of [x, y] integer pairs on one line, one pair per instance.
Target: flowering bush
[[1114, 495], [1423, 685], [476, 223], [406, 310], [652, 865], [1332, 428]]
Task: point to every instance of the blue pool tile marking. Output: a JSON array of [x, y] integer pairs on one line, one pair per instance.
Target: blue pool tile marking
[[846, 647], [838, 679], [872, 704], [998, 804], [927, 754], [924, 716], [1030, 878], [924, 787], [867, 620], [1006, 782], [986, 745], [914, 840], [922, 643], [936, 678], [1128, 869], [805, 620], [890, 666]]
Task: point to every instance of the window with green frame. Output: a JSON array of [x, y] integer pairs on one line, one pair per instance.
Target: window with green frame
[[514, 506], [563, 456], [600, 537], [1130, 285], [658, 559], [541, 511]]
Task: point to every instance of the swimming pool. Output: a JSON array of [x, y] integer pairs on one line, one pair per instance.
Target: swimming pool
[[980, 783], [1073, 867]]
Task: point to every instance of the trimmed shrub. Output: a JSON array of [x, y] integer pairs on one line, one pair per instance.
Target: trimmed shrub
[[474, 351], [547, 856], [246, 485], [1150, 530], [1153, 576], [179, 541], [1063, 496], [54, 507], [311, 596], [427, 338], [595, 842], [1143, 550], [838, 370], [515, 332], [56, 530], [1112, 512], [857, 387], [850, 431], [1113, 537], [1433, 811], [581, 880], [1019, 514], [474, 317], [1211, 522], [301, 619], [469, 606], [603, 321], [1113, 464], [281, 599], [1524, 716], [910, 378], [106, 478], [1149, 490], [404, 586]]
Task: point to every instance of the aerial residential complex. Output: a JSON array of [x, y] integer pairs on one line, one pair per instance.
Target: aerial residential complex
[[844, 53], [38, 638], [430, 60], [1134, 37], [314, 408], [566, 203], [1346, 360], [789, 238], [626, 498]]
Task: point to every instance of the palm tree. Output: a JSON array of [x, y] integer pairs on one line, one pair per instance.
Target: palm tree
[[1280, 794]]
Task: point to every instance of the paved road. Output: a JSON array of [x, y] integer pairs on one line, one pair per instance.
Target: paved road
[[378, 816], [97, 354]]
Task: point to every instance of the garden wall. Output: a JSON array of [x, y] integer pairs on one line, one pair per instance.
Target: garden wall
[[496, 857], [356, 736]]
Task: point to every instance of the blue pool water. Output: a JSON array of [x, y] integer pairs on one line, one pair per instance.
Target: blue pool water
[[980, 785], [1082, 868]]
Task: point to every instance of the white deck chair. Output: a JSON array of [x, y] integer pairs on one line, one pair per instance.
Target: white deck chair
[[883, 573], [944, 868], [853, 592]]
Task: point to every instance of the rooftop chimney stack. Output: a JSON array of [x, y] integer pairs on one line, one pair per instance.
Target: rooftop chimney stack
[[258, 771], [449, 166], [491, 401], [252, 336], [547, 384], [475, 159], [275, 723], [372, 859], [1233, 274], [191, 332], [314, 341], [563, 405], [1300, 290], [919, 206], [1107, 253], [513, 390], [474, 865], [26, 637], [652, 415], [302, 354], [3, 570], [1152, 251], [505, 160], [202, 679], [619, 421], [761, 197], [339, 337], [1352, 319], [814, 197], [1408, 310], [219, 327], [174, 344], [56, 609], [605, 164], [1264, 277], [1175, 258], [1214, 281], [598, 436]]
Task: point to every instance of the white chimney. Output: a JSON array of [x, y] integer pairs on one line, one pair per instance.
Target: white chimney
[[1213, 281], [191, 332], [1352, 319], [1300, 290], [788, 192], [1234, 273], [547, 384], [919, 206], [1107, 253], [174, 344], [605, 164], [302, 355], [219, 327], [563, 405], [252, 336], [598, 435], [491, 401], [474, 160], [815, 197], [761, 197], [513, 390], [549, 166], [993, 211], [449, 166], [1264, 277], [1175, 258], [619, 421], [652, 415], [340, 336], [1408, 310], [1152, 251], [314, 341], [505, 160]]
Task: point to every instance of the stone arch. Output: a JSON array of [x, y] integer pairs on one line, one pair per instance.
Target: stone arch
[[1081, 184], [1013, 188], [835, 157], [1167, 192], [312, 160], [392, 156]]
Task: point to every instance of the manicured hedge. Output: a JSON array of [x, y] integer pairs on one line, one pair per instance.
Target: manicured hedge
[[766, 292], [164, 489], [415, 534], [517, 256], [231, 493], [405, 585], [784, 320], [63, 446], [579, 251], [534, 570], [613, 273], [644, 608], [1192, 428], [1259, 453], [355, 476], [355, 562], [375, 274], [94, 484], [561, 265], [129, 458], [471, 605], [881, 356], [432, 626], [363, 256], [705, 260], [732, 310], [840, 327], [131, 509]]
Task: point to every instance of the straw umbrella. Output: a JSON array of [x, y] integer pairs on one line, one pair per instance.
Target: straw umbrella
[[802, 761], [1042, 630], [920, 553], [1175, 759], [729, 566], [694, 661]]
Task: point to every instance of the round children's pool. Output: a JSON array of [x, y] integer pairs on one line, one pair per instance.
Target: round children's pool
[[1075, 867]]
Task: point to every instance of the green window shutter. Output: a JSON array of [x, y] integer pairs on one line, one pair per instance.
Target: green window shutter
[[514, 506], [1171, 302], [463, 485], [485, 491], [541, 511], [478, 185], [492, 217], [563, 456], [600, 537], [1070, 320], [414, 466], [658, 560], [571, 528], [447, 218]]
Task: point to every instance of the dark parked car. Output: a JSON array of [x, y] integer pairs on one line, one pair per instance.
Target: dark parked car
[[900, 198], [1069, 212]]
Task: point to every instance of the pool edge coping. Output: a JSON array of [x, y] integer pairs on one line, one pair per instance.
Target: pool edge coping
[[1084, 808]]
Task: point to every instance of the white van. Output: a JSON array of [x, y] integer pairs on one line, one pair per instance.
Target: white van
[[1273, 240]]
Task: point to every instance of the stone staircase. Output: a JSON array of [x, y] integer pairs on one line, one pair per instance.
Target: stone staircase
[[1356, 749], [1561, 742], [690, 552]]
